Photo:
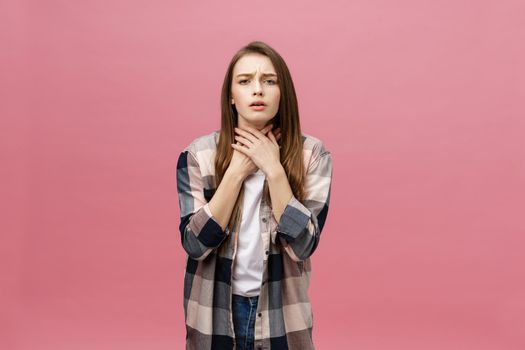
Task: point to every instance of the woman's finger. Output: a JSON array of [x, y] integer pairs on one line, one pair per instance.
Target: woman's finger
[[239, 148], [243, 140], [246, 134]]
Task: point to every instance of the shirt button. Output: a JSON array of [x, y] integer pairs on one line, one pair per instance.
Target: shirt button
[[267, 252], [264, 219], [260, 314]]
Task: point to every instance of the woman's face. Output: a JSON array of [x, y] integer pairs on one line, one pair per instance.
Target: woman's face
[[254, 79]]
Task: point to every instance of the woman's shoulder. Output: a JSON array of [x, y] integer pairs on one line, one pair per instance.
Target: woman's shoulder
[[314, 145], [203, 143]]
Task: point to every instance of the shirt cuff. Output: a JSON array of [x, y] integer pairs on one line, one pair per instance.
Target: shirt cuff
[[293, 220], [208, 211]]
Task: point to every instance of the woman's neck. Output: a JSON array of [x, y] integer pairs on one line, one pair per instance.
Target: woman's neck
[[243, 124]]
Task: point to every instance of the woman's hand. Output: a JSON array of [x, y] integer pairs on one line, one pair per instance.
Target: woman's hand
[[261, 149]]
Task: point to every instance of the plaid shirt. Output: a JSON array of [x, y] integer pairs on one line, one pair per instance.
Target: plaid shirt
[[284, 313]]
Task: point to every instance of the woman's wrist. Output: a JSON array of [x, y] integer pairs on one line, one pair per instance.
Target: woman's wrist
[[276, 172], [234, 175]]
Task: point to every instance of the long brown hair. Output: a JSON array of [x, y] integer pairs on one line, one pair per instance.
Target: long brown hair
[[287, 118]]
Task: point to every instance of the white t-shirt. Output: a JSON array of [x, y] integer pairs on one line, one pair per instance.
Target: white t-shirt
[[248, 266]]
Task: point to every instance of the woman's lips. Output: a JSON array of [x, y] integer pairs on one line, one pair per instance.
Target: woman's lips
[[258, 108]]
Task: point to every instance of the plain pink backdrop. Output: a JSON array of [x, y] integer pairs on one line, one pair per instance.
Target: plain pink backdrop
[[420, 102]]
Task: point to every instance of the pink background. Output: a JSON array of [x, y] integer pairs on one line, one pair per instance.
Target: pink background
[[420, 102]]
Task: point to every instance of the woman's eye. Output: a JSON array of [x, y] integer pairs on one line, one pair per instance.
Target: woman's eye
[[273, 82]]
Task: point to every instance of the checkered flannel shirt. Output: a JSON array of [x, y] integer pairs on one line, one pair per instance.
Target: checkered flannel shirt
[[284, 313]]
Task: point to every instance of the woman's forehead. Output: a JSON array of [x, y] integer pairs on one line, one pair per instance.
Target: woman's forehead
[[254, 64]]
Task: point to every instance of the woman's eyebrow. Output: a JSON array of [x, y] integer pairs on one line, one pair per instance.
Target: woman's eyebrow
[[250, 74]]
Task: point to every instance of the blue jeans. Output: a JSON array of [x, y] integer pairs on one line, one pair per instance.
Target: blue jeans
[[244, 312]]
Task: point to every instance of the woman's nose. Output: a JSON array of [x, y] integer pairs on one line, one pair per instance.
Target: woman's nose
[[258, 87]]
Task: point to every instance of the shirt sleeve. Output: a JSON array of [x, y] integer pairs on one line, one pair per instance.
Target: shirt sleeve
[[300, 225], [199, 229]]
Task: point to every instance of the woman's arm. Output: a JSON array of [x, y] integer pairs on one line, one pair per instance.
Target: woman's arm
[[300, 225], [223, 201], [203, 224]]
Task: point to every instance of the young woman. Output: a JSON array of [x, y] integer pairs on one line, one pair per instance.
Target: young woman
[[253, 199]]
